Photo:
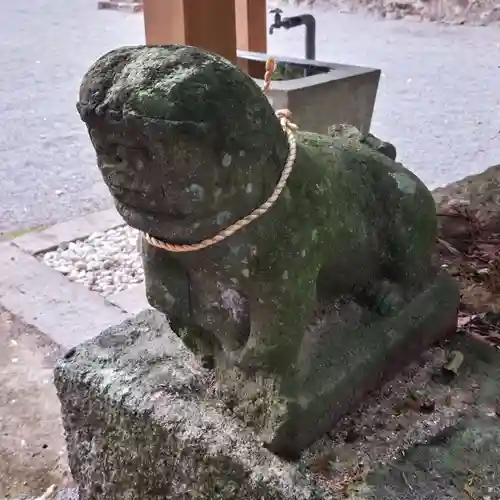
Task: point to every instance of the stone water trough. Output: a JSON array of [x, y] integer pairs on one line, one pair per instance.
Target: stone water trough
[[322, 93]]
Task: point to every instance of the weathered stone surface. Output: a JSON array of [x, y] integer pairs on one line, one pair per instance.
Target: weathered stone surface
[[477, 197], [311, 305], [141, 423], [375, 143], [462, 461]]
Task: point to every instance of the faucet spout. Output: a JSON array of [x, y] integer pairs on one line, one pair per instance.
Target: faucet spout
[[307, 20], [277, 20]]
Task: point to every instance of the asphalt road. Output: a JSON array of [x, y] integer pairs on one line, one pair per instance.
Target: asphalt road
[[438, 100]]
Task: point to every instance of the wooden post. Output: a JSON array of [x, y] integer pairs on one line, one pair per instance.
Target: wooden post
[[251, 33], [208, 24]]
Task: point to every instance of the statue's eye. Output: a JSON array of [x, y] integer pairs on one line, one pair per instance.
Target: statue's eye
[[118, 152]]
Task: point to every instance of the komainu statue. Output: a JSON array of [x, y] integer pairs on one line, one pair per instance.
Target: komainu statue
[[312, 304]]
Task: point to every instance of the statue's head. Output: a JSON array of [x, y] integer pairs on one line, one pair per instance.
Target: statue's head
[[185, 141]]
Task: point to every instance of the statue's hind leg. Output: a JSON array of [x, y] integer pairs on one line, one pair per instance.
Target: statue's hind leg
[[412, 235]]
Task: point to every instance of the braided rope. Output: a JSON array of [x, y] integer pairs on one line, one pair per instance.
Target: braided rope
[[284, 116]]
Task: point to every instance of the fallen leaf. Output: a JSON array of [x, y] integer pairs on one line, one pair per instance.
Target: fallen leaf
[[323, 463]]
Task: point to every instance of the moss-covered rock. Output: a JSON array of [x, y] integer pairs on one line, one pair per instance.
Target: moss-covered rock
[[462, 461], [469, 203], [306, 308]]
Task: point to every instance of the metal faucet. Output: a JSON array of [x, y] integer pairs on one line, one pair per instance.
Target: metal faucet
[[291, 22], [278, 22]]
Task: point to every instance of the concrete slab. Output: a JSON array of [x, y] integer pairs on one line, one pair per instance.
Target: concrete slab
[[66, 312], [43, 241], [133, 300]]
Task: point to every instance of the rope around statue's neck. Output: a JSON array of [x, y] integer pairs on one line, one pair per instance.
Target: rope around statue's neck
[[284, 116]]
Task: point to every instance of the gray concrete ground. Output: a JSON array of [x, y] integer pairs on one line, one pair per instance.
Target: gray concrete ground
[[42, 314], [32, 447], [438, 100]]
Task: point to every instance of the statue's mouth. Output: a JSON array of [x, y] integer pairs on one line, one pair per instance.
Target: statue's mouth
[[138, 201], [147, 210], [171, 227], [165, 219]]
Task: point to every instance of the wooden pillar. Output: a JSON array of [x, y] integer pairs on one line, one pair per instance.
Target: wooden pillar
[[208, 24], [251, 32]]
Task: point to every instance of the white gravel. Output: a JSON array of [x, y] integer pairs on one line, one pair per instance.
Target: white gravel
[[106, 263]]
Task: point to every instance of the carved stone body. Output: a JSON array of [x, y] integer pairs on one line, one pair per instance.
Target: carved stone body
[[306, 308]]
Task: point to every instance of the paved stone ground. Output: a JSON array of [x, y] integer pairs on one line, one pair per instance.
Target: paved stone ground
[[32, 448], [438, 100]]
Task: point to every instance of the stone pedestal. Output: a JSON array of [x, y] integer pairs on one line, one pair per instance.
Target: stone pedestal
[[141, 423]]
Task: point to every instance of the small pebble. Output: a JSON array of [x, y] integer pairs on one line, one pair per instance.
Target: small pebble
[[80, 265]]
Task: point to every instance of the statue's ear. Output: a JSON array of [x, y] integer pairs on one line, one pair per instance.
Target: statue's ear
[[386, 148]]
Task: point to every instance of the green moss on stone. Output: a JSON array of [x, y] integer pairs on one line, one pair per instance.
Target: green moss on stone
[[345, 251]]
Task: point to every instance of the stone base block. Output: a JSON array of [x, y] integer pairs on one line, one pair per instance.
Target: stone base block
[[142, 423]]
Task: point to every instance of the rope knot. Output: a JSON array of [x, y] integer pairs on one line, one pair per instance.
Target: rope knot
[[285, 118]]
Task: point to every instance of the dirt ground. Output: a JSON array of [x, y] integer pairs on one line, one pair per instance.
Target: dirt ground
[[32, 448]]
